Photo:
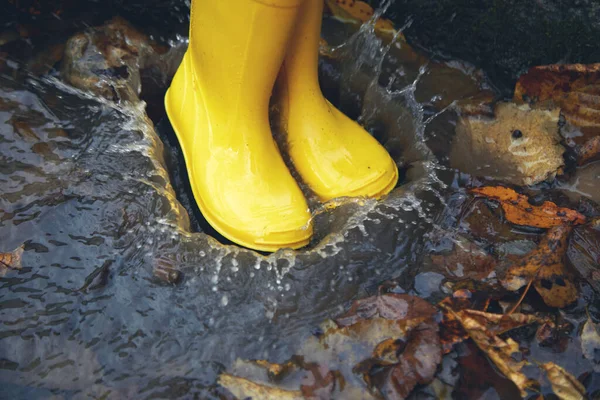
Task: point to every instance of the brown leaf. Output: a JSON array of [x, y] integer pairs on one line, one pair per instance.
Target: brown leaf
[[243, 388], [390, 306], [320, 382], [500, 352], [554, 82], [584, 253], [589, 151], [11, 260], [417, 363], [518, 210], [546, 268], [564, 385], [466, 261], [576, 90], [517, 145], [275, 371], [399, 361], [453, 333], [590, 343], [500, 323]]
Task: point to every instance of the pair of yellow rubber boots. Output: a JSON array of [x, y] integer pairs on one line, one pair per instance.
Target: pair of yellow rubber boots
[[218, 105]]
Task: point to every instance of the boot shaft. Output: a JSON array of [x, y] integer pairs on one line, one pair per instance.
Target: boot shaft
[[237, 48]]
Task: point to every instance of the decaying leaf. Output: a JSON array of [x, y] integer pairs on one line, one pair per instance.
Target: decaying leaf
[[244, 388], [589, 151], [553, 82], [500, 323], [545, 266], [358, 11], [11, 260], [574, 88], [518, 210], [387, 343], [584, 253], [519, 145], [466, 261], [320, 382], [501, 353], [564, 385], [590, 343], [397, 307], [453, 333]]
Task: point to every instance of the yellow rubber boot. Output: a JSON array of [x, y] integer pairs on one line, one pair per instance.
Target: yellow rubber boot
[[334, 155], [218, 106]]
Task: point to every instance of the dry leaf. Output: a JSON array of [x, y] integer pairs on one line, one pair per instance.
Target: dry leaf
[[358, 11], [545, 266], [11, 260], [590, 343], [518, 210], [243, 388], [564, 385], [500, 352]]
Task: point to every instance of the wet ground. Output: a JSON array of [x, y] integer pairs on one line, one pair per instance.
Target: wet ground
[[124, 290]]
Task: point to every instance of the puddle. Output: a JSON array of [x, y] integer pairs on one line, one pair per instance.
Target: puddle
[[125, 292]]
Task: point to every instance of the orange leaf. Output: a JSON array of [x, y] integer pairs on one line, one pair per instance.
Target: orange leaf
[[11, 260], [518, 210], [545, 266]]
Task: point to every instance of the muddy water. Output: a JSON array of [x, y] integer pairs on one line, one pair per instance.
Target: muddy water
[[121, 294]]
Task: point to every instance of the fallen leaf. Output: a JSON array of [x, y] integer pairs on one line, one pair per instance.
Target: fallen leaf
[[517, 145], [320, 382], [584, 254], [11, 260], [564, 385], [500, 352], [453, 333], [397, 307], [358, 11], [590, 343], [589, 151], [275, 371], [466, 261], [243, 388], [405, 353], [554, 82], [518, 210], [500, 323], [546, 268], [574, 88]]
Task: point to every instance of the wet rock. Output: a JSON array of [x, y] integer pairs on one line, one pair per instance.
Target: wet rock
[[519, 145]]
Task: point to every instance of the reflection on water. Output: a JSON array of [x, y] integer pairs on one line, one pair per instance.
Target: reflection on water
[[121, 293]]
